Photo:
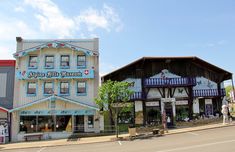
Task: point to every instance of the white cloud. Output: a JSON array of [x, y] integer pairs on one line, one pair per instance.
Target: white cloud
[[51, 19], [44, 19], [19, 9], [106, 19]]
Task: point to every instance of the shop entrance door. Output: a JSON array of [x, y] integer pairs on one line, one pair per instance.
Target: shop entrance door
[[169, 114], [79, 124]]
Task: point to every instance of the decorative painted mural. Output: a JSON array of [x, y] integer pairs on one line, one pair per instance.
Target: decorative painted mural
[[135, 84], [55, 44], [203, 83], [165, 74]]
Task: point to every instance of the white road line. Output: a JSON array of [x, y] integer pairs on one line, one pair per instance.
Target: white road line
[[40, 150], [196, 146], [120, 143], [192, 133]]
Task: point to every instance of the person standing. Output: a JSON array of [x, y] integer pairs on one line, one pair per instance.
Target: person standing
[[224, 111]]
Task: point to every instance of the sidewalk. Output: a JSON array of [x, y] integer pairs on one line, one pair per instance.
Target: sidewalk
[[89, 140]]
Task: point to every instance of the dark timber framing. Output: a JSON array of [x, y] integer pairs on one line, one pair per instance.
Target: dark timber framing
[[187, 67]]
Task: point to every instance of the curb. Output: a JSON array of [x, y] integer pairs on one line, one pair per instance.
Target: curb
[[68, 144], [223, 126]]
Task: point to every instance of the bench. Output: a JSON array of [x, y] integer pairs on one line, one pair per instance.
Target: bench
[[33, 136]]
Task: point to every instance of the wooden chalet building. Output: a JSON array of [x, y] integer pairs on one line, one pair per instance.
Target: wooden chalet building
[[185, 87]]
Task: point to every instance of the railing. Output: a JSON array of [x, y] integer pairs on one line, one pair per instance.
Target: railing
[[137, 95], [160, 82], [208, 93]]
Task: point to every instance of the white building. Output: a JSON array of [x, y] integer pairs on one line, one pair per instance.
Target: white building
[[56, 82]]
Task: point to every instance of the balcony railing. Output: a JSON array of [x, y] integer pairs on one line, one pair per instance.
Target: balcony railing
[[208, 93], [161, 82], [137, 95]]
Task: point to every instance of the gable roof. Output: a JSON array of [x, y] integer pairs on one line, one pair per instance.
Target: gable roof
[[55, 44], [54, 97], [228, 75]]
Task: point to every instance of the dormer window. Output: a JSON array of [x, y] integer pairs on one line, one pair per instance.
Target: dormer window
[[64, 61], [49, 61], [33, 61]]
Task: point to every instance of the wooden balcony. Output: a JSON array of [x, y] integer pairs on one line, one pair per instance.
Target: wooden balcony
[[172, 82], [209, 93], [137, 95]]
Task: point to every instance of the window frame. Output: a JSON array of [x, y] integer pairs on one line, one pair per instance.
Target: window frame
[[29, 59], [43, 88], [66, 94], [45, 62], [64, 67], [81, 66], [27, 87], [84, 93]]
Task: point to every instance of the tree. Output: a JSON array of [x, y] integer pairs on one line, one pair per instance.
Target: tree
[[113, 96]]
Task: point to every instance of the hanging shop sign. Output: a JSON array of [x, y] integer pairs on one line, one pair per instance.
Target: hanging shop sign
[[35, 74], [56, 112], [152, 104]]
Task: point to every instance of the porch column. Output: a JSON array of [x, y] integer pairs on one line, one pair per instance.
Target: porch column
[[162, 106], [173, 109], [73, 123]]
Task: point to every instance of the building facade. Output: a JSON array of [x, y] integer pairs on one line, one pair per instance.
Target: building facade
[[182, 87], [7, 75], [56, 82]]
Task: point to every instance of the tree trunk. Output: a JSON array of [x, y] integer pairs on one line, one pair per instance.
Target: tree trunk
[[111, 120]]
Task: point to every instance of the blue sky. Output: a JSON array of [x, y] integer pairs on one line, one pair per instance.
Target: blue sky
[[127, 30]]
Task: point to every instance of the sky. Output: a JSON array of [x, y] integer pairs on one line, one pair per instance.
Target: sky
[[127, 30]]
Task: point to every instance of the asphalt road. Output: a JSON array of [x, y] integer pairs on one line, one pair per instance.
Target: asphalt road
[[213, 140]]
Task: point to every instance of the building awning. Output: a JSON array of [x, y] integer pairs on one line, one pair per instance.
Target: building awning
[[55, 44], [53, 98], [3, 109]]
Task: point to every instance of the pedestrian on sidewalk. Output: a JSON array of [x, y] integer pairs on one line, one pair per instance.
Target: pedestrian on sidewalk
[[164, 121], [224, 111]]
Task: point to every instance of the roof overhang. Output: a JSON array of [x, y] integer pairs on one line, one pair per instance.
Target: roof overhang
[[55, 44], [51, 98]]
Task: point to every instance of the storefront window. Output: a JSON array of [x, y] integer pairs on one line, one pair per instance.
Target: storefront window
[[48, 87], [64, 123], [49, 61], [64, 88], [81, 87], [126, 117], [31, 88], [153, 115], [45, 124], [28, 124], [33, 61], [81, 61], [182, 113], [64, 63], [90, 121]]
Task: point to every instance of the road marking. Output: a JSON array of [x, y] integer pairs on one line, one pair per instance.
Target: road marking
[[40, 150], [120, 143], [192, 133], [196, 146]]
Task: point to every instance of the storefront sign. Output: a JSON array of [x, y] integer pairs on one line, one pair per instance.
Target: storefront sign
[[182, 102], [208, 101], [152, 104], [56, 112], [34, 74]]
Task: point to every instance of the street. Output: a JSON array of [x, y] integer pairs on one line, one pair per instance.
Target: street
[[212, 140]]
